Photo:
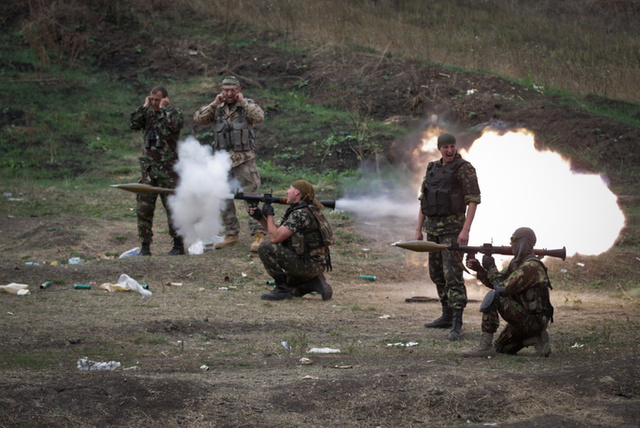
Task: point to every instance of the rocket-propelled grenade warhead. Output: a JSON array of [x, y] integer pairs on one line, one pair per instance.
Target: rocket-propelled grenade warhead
[[143, 188], [428, 246]]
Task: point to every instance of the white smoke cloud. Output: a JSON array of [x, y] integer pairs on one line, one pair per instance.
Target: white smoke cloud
[[381, 206], [202, 191]]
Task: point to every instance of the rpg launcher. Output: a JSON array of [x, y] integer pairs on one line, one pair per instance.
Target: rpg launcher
[[428, 246], [267, 198], [251, 199]]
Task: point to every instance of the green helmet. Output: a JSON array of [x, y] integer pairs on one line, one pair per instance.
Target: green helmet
[[526, 233]]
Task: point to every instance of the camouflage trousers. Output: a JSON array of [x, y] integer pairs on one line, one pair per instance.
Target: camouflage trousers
[[249, 179], [521, 324], [146, 202], [279, 260], [446, 273]]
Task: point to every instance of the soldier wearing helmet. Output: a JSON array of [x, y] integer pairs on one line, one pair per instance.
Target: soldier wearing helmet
[[520, 294]]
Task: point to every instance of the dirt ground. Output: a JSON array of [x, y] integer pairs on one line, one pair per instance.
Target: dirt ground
[[210, 352]]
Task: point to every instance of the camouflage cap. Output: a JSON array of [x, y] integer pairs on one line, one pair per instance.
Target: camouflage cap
[[306, 189], [526, 233], [231, 80], [445, 138]]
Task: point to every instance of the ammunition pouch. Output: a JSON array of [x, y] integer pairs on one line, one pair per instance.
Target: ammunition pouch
[[237, 136]]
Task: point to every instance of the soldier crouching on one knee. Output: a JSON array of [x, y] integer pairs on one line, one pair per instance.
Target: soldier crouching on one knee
[[520, 294], [296, 253]]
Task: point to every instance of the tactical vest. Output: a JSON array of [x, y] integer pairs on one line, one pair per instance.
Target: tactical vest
[[538, 298], [443, 195], [237, 135], [315, 239]]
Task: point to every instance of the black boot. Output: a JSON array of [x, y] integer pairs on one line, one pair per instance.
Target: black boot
[[145, 250], [456, 331], [178, 247], [318, 284], [445, 321], [281, 290]]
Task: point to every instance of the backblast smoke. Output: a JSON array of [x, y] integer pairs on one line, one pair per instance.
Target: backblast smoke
[[202, 191]]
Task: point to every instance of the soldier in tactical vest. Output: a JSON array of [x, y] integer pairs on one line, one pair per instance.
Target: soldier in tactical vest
[[233, 117], [520, 294], [161, 124], [296, 253], [449, 197]]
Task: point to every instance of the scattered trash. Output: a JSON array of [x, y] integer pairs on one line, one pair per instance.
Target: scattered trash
[[578, 345], [223, 288], [286, 345], [23, 292], [76, 261], [271, 283], [14, 288], [45, 284], [563, 271], [244, 275], [55, 263], [305, 361], [307, 377], [406, 345], [32, 264], [82, 286], [174, 284], [126, 283], [580, 264], [341, 367], [421, 299], [369, 277], [196, 248], [87, 364], [323, 351], [131, 253], [204, 367], [384, 317]]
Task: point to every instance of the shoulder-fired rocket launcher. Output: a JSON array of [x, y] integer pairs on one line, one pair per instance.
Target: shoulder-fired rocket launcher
[[252, 199], [489, 249]]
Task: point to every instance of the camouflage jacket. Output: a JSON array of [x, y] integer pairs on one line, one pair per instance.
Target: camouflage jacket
[[304, 222], [466, 178], [167, 122], [528, 284], [208, 114]]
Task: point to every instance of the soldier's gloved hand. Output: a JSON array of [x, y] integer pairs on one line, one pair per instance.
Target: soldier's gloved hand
[[254, 211], [474, 264], [488, 262], [267, 210], [500, 289]]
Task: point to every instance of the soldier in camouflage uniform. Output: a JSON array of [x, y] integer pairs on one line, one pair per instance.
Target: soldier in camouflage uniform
[[449, 197], [161, 124], [520, 294], [234, 117], [296, 253]]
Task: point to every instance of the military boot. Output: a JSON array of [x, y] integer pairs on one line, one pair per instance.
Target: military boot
[[318, 284], [445, 321], [456, 331], [229, 240], [484, 349], [540, 343], [281, 290], [178, 247], [145, 250], [257, 240]]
